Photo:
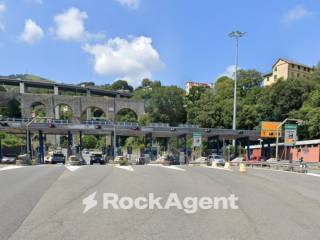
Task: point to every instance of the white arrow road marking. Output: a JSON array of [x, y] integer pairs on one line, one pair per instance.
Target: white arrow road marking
[[174, 168], [73, 168], [128, 168], [313, 174], [10, 168], [169, 167]]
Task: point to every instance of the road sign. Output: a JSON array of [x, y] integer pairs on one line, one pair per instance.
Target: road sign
[[197, 139], [269, 129], [290, 134]]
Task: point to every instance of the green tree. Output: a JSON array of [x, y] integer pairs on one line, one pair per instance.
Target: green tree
[[121, 85]]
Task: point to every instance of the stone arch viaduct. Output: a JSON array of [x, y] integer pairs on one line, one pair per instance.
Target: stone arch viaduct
[[110, 102]]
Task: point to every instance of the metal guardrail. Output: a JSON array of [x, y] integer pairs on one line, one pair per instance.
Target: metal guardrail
[[281, 164], [159, 125], [128, 124], [188, 126], [97, 122]]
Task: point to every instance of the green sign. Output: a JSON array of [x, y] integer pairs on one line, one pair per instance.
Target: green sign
[[290, 134], [197, 139]]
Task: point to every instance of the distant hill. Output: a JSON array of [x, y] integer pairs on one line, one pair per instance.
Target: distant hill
[[28, 77]]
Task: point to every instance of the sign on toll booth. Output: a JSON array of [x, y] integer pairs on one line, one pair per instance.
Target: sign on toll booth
[[290, 134], [269, 129], [197, 139]]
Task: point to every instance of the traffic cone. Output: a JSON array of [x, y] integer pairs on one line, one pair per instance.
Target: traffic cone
[[214, 164], [242, 168], [227, 166]]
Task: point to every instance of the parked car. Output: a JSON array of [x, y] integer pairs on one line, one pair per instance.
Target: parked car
[[96, 157], [9, 159], [217, 159]]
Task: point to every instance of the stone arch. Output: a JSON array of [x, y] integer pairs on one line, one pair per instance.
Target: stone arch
[[38, 108], [126, 115], [64, 111], [136, 106], [11, 108], [93, 112]]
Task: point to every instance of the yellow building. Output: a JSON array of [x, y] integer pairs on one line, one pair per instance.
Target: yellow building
[[286, 69]]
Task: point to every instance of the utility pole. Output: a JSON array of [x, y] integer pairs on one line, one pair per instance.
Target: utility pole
[[236, 35]]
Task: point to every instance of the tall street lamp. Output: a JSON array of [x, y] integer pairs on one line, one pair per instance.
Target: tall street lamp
[[236, 35]]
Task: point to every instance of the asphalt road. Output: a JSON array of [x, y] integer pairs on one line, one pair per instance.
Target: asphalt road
[[46, 203]]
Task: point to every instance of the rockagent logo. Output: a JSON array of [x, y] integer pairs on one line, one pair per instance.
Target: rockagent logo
[[189, 205]]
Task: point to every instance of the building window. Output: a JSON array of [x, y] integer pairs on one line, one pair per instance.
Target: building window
[[268, 79], [275, 69], [299, 67], [305, 69], [275, 77], [292, 65]]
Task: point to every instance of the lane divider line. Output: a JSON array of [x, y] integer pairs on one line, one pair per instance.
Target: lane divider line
[[169, 167], [73, 168], [10, 168], [127, 168]]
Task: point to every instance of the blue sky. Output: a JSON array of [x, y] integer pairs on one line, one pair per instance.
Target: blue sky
[[174, 41]]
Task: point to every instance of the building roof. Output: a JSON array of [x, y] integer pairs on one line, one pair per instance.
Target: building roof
[[267, 74], [291, 62]]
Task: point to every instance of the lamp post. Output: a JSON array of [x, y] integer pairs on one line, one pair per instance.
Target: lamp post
[[236, 35], [299, 121]]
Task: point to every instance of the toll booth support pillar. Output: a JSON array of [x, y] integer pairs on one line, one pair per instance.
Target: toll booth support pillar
[[236, 154], [80, 141], [70, 143], [262, 155], [185, 148], [248, 148], [148, 144], [28, 143], [1, 148], [112, 145], [269, 150], [217, 144], [41, 148], [167, 143]]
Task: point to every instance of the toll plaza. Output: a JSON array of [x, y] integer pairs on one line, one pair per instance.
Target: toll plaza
[[46, 127]]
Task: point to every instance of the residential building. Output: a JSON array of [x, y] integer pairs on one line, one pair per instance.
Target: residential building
[[190, 85], [285, 69]]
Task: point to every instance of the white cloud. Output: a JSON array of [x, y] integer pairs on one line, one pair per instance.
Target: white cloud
[[2, 7], [131, 60], [32, 32], [69, 26], [229, 72], [133, 4], [2, 10], [297, 13]]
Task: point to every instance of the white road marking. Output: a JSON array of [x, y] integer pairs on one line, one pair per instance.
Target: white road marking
[[128, 168], [218, 168], [175, 168], [169, 167], [313, 174], [73, 168], [10, 168]]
